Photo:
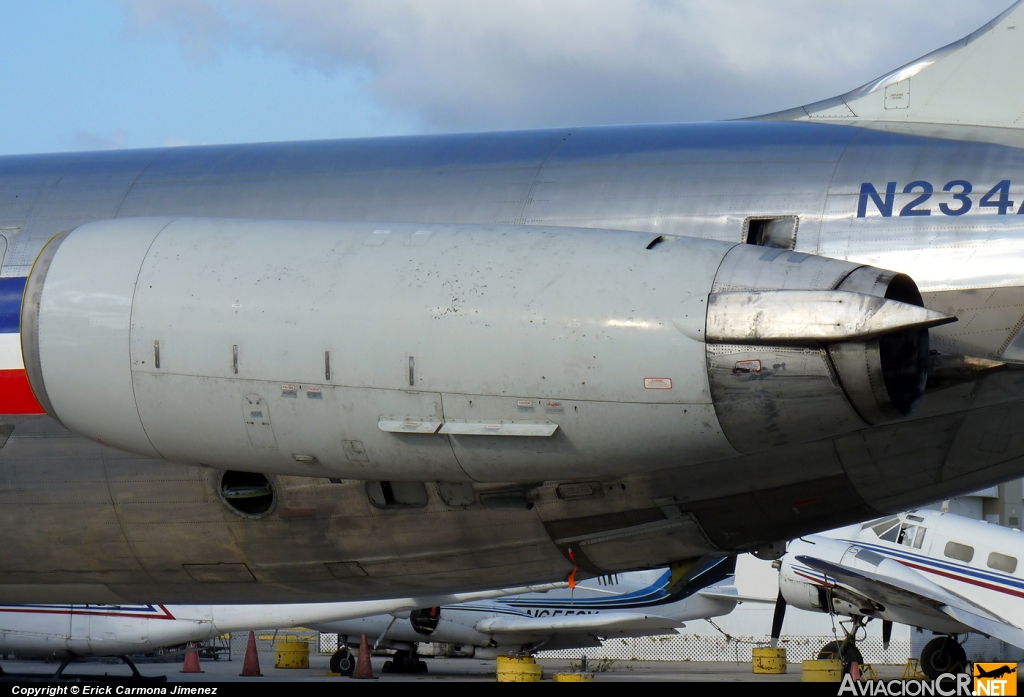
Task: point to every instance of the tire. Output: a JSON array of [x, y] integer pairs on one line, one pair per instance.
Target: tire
[[943, 655], [343, 662], [850, 654], [407, 662]]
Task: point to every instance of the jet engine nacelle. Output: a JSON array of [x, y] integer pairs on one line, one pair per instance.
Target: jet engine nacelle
[[800, 344], [455, 353]]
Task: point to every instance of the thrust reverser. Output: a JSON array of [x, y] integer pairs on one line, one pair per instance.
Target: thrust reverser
[[453, 353]]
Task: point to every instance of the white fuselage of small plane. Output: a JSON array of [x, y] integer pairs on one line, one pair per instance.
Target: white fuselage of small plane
[[632, 604], [939, 571], [113, 630]]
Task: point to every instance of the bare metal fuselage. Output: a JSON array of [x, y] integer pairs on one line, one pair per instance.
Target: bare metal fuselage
[[86, 523]]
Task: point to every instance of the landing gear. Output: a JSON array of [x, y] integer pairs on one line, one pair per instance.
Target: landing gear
[[343, 662], [943, 654], [845, 650], [405, 662]]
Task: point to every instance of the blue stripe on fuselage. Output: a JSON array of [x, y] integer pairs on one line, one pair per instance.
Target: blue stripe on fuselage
[[653, 594], [941, 565], [11, 290]]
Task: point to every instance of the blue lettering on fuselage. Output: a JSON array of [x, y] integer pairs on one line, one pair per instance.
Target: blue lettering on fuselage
[[558, 613], [883, 199]]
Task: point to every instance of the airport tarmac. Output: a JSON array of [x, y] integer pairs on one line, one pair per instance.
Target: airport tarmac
[[453, 669]]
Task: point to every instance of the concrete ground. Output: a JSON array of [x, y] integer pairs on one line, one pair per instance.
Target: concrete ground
[[455, 669]]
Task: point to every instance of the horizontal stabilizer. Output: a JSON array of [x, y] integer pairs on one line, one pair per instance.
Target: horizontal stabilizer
[[607, 621], [735, 597], [963, 83], [810, 317]]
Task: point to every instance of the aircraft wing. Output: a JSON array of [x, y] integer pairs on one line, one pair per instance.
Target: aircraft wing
[[734, 597], [614, 621], [890, 589], [231, 618]]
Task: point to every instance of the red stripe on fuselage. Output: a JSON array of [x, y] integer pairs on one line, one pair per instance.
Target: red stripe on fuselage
[[15, 394], [962, 579], [83, 610]]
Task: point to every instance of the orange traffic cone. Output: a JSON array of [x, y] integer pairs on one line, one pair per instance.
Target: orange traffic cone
[[363, 671], [251, 665], [191, 660]]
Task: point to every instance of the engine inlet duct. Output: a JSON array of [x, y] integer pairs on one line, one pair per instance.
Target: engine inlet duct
[[797, 342]]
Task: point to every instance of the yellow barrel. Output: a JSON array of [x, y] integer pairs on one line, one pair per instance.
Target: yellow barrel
[[768, 661], [830, 670], [291, 654], [574, 677], [518, 669]]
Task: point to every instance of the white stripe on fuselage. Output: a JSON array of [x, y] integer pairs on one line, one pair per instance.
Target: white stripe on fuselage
[[10, 352]]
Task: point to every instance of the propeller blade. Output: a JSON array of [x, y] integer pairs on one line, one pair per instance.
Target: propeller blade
[[780, 615], [886, 634]]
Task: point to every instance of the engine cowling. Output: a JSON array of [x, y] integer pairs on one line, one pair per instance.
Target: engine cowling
[[457, 353], [798, 342]]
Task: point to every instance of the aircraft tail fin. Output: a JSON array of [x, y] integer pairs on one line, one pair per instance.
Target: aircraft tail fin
[[968, 82]]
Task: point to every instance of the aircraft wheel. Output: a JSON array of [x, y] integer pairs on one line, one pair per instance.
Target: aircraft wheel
[[943, 655], [850, 653], [343, 662], [408, 662]]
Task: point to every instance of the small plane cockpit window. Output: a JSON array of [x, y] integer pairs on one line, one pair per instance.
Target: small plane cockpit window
[[911, 535], [1002, 562], [955, 550], [887, 529]]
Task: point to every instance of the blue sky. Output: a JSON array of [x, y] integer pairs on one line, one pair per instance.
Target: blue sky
[[143, 73], [77, 78]]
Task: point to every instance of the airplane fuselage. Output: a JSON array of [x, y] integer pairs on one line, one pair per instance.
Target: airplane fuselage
[[87, 523]]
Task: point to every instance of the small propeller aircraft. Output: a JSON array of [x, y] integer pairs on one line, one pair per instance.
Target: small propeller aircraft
[[934, 570], [70, 632], [641, 603]]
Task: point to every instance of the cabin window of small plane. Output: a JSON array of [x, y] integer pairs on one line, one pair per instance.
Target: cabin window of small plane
[[911, 535], [1002, 562], [955, 550], [887, 529]]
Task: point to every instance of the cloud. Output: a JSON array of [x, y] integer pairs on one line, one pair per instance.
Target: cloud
[[84, 140], [467, 64]]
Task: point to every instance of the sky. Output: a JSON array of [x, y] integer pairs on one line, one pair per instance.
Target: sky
[[154, 73]]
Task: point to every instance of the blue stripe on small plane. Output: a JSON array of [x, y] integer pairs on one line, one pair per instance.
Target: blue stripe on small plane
[[11, 290], [988, 576], [645, 596]]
